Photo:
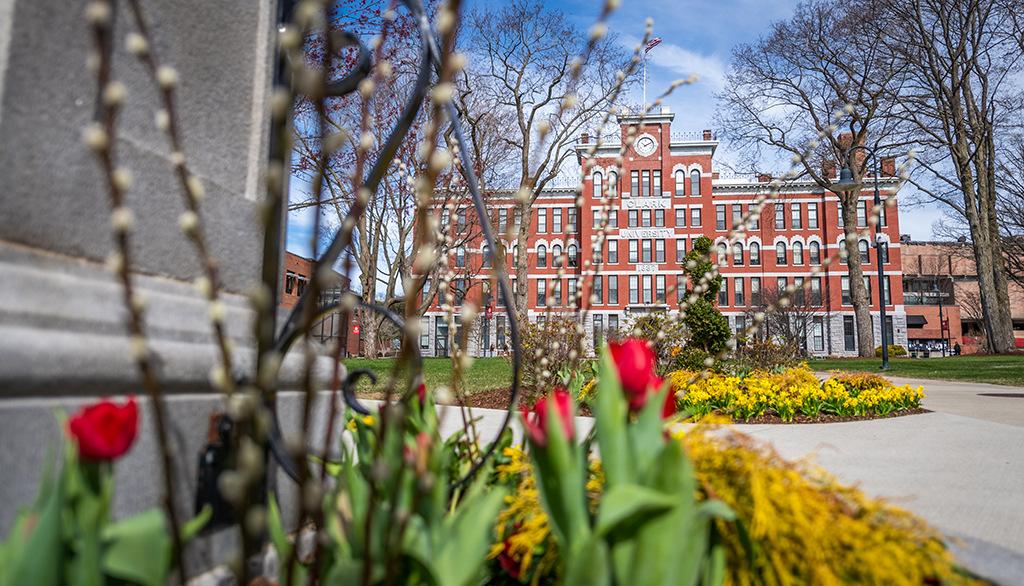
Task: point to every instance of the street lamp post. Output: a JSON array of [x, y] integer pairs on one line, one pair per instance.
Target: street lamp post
[[846, 183]]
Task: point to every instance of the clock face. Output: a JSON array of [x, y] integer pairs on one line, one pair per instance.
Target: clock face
[[646, 145]]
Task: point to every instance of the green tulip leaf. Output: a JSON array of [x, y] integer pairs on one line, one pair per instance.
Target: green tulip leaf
[[610, 413], [41, 558], [138, 549], [589, 565], [627, 507], [193, 526], [462, 552], [714, 508], [276, 530]]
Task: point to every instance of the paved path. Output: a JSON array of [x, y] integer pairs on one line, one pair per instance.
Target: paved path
[[960, 467]]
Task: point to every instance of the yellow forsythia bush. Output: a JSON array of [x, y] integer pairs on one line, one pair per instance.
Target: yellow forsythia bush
[[792, 391]]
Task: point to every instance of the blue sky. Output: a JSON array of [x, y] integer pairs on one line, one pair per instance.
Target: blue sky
[[697, 38]]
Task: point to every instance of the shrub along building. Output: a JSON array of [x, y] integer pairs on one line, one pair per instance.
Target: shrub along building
[[665, 195]]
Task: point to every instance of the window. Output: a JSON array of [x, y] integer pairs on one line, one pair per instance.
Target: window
[[573, 253], [680, 183], [571, 299], [645, 185], [723, 293], [542, 320], [680, 250], [885, 252], [634, 177], [597, 218], [842, 252], [867, 287], [754, 217], [542, 221], [458, 291], [517, 216], [541, 294], [815, 252], [613, 291], [680, 218], [695, 217], [542, 256], [842, 220], [798, 253], [848, 336], [556, 291], [486, 253], [598, 288], [862, 214], [738, 292], [795, 215], [755, 291], [645, 249], [741, 325], [645, 218], [719, 217], [613, 323], [737, 215], [289, 284], [888, 300], [659, 288], [634, 289], [425, 332], [613, 185], [780, 254], [680, 290], [598, 186], [556, 256], [634, 251], [613, 252], [844, 283], [500, 328], [694, 183], [462, 220], [632, 215], [865, 258], [819, 335], [722, 251], [659, 251], [656, 180], [556, 220], [613, 218], [780, 217], [816, 291], [812, 216], [659, 218], [460, 257], [445, 216], [737, 255], [755, 254], [647, 289], [781, 284], [571, 220], [502, 221], [799, 299], [888, 330], [882, 219], [425, 293], [598, 326]]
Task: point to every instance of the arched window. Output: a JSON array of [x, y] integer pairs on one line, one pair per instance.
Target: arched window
[[680, 183], [842, 252], [798, 253], [780, 253], [572, 253], [865, 258], [755, 254], [487, 256], [598, 186], [722, 251], [613, 185], [542, 256], [556, 253], [694, 182], [737, 255], [815, 251], [460, 257]]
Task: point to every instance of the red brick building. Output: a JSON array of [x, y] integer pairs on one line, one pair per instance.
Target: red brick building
[[663, 196]]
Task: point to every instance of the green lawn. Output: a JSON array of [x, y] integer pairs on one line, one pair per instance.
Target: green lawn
[[486, 374], [999, 370]]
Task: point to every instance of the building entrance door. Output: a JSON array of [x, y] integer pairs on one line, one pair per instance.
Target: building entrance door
[[441, 339]]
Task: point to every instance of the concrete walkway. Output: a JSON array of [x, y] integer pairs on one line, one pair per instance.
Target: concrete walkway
[[961, 467]]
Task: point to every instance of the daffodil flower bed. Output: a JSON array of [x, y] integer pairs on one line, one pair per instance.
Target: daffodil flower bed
[[795, 523], [792, 391]]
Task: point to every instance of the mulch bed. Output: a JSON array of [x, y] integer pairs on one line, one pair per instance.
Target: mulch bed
[[498, 399]]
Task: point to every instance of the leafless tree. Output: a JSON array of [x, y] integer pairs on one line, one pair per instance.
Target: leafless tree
[[1010, 206], [790, 324], [957, 99], [782, 95], [524, 63]]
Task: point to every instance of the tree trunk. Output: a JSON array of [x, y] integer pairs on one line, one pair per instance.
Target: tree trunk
[[522, 289], [858, 293], [992, 285]]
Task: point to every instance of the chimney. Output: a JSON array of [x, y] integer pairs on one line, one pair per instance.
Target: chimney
[[585, 138], [665, 110], [888, 166], [764, 178], [707, 135]]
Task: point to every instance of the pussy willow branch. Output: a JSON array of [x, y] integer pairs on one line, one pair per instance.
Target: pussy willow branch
[[110, 95]]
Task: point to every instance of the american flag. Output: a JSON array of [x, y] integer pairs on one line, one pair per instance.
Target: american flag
[[654, 43]]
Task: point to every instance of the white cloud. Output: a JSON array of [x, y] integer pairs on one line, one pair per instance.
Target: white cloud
[[683, 63]]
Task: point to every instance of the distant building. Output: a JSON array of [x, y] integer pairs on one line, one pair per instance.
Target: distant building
[[297, 273], [663, 196]]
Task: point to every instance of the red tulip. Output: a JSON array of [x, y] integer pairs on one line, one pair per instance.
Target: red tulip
[[508, 563], [105, 431], [537, 423], [635, 360], [421, 393]]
